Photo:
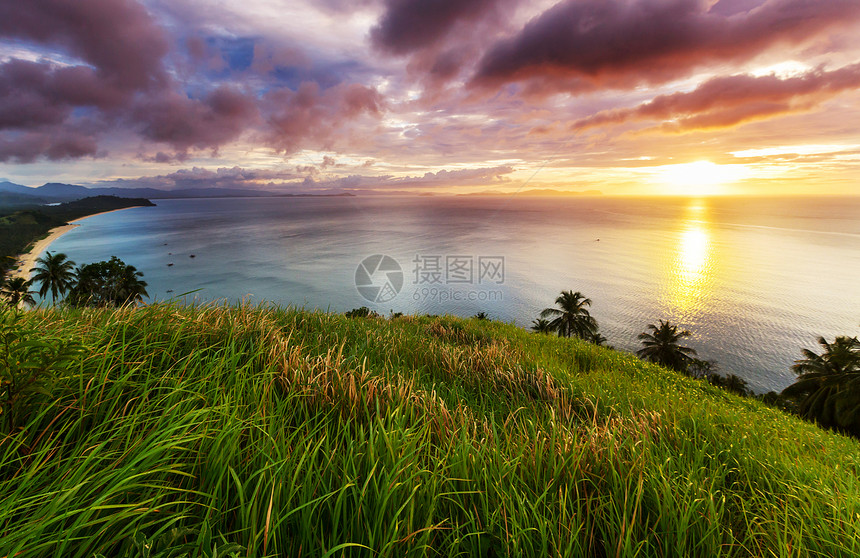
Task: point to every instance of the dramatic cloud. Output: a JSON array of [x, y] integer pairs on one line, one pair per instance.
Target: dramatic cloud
[[409, 25], [34, 94], [56, 109], [27, 147], [184, 123], [316, 117], [358, 94], [196, 177], [727, 101], [119, 78], [621, 43], [116, 37]]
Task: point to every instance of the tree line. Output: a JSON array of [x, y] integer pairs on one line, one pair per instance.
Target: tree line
[[104, 283], [827, 390]]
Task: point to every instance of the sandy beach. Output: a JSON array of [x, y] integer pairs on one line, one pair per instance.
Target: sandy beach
[[25, 263]]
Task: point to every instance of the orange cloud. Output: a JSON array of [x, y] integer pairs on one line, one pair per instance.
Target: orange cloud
[[724, 102]]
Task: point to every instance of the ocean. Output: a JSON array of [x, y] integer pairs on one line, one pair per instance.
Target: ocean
[[755, 280]]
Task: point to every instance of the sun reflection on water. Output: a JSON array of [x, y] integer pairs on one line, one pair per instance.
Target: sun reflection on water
[[691, 269]]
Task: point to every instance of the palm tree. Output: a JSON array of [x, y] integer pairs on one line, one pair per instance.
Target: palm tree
[[107, 283], [541, 325], [838, 357], [828, 386], [598, 339], [731, 382], [131, 288], [17, 291], [571, 317], [703, 370], [661, 346], [55, 273]]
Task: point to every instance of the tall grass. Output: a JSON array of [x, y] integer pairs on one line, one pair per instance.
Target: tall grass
[[217, 431]]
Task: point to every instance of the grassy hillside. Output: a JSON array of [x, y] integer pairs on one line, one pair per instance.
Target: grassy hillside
[[171, 431]]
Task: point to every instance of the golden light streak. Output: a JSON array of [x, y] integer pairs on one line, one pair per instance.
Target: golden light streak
[[690, 279], [701, 178]]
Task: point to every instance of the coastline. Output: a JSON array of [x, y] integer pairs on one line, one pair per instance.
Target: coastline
[[25, 262]]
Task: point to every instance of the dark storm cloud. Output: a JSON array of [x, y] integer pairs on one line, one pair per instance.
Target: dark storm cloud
[[622, 43], [409, 25], [34, 94], [183, 123], [118, 50], [117, 37], [26, 147]]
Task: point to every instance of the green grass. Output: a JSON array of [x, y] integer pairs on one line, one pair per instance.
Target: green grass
[[267, 432]]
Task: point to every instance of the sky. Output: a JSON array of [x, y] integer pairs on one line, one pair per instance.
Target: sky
[[627, 97]]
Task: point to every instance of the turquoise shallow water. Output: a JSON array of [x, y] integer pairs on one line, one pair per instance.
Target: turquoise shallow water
[[755, 280]]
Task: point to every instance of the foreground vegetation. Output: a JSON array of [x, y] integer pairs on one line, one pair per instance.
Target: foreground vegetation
[[826, 392], [105, 283], [168, 431]]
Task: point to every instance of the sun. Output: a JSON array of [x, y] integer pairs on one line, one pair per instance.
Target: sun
[[701, 178]]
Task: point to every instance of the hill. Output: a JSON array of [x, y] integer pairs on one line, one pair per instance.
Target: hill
[[13, 200], [176, 431], [96, 204], [55, 192], [20, 226]]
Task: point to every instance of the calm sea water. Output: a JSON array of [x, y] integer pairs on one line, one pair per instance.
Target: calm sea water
[[755, 280]]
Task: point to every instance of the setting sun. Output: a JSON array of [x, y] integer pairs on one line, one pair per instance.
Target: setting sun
[[700, 178]]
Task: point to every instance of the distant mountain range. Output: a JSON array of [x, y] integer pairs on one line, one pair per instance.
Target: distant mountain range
[[12, 194], [54, 192], [545, 192]]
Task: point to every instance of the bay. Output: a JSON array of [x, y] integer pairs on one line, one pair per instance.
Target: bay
[[754, 279]]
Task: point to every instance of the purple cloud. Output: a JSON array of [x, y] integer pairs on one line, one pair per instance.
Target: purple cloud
[[409, 25], [26, 147], [185, 123], [117, 37], [622, 43], [124, 77], [316, 117]]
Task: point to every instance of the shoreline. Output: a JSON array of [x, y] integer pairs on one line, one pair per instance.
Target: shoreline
[[24, 263]]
